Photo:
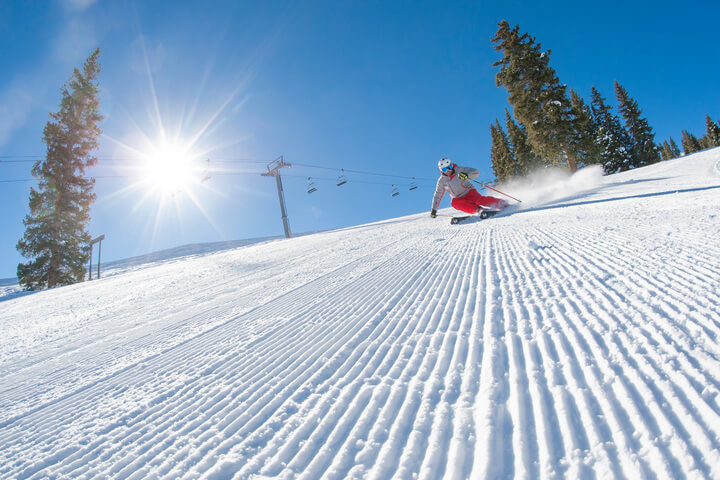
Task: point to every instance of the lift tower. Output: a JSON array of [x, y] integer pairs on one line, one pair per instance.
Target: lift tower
[[274, 171]]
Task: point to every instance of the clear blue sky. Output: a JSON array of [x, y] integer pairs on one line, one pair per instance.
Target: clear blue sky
[[376, 86]]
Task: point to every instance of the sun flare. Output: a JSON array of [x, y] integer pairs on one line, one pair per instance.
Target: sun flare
[[170, 169]]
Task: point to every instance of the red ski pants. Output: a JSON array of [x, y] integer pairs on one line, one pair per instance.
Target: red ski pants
[[472, 201]]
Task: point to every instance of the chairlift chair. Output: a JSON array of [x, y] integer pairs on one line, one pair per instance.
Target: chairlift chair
[[206, 172], [395, 191], [311, 186], [413, 185], [341, 179]]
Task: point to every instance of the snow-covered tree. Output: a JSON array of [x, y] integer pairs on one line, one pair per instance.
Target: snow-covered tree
[[56, 237], [503, 162], [525, 158], [712, 133], [642, 137], [538, 99], [585, 131], [612, 139]]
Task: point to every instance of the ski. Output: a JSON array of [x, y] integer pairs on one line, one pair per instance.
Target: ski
[[482, 215]]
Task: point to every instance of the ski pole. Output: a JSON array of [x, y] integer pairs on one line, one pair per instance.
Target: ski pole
[[501, 193], [498, 191]]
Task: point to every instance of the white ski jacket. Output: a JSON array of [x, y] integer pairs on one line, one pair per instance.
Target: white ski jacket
[[453, 184]]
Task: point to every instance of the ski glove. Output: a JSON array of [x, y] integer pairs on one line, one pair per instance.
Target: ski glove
[[463, 176], [433, 213]]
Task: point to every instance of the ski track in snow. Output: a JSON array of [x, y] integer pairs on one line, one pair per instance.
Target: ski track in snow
[[567, 342]]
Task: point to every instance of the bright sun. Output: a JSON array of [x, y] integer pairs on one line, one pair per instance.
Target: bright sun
[[169, 169]]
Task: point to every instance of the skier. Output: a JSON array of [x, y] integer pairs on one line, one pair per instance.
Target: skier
[[456, 180]]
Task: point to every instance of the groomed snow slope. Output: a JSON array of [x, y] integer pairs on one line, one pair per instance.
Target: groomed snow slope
[[578, 337]]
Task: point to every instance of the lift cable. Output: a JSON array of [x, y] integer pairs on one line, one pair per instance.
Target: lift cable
[[215, 171], [360, 172]]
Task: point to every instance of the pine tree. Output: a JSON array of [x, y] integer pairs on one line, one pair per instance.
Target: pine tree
[[538, 99], [712, 133], [56, 237], [585, 131], [665, 153], [690, 143], [641, 134], [504, 164], [674, 150], [525, 158], [669, 150], [612, 139]]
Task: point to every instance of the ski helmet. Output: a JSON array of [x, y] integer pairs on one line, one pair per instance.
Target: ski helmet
[[444, 163]]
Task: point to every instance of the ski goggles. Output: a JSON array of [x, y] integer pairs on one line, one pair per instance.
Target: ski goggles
[[447, 169]]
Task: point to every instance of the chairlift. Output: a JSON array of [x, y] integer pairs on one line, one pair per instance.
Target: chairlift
[[395, 191], [311, 186], [413, 184], [341, 179]]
